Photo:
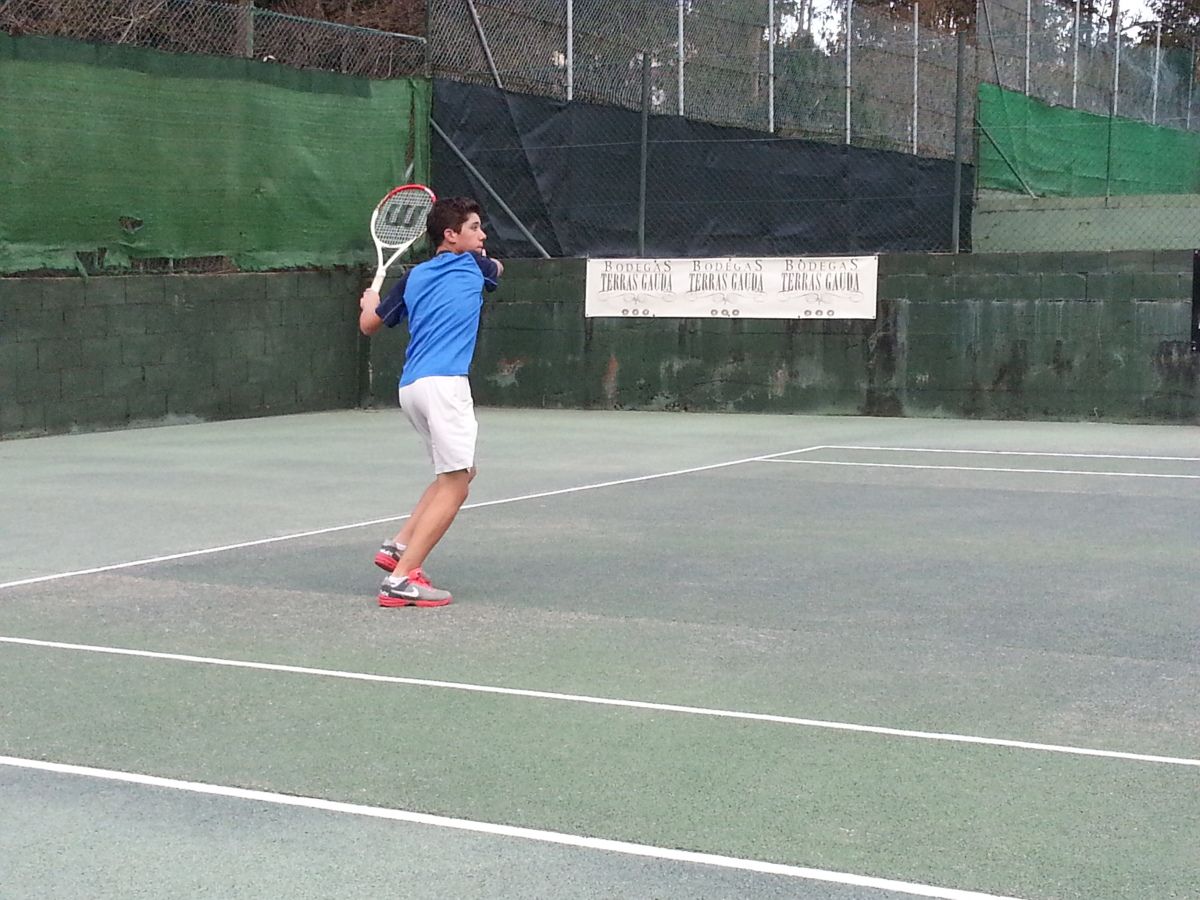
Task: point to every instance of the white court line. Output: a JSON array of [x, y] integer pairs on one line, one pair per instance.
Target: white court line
[[509, 831], [608, 701], [865, 465], [1015, 453], [318, 531]]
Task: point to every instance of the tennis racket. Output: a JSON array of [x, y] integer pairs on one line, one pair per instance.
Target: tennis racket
[[398, 220]]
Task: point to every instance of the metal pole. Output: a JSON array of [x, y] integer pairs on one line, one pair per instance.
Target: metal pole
[[1157, 60], [1028, 31], [245, 28], [645, 153], [959, 109], [1112, 115], [849, 41], [916, 54], [1075, 62], [1191, 82], [571, 50], [771, 66], [1116, 74], [487, 187], [987, 20], [680, 67], [1196, 301], [487, 51], [1004, 158]]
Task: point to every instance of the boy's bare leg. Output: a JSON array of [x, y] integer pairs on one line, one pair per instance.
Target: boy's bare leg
[[436, 511], [404, 537], [405, 533]]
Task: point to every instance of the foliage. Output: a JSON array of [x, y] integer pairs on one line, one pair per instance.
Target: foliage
[[400, 16], [1180, 21]]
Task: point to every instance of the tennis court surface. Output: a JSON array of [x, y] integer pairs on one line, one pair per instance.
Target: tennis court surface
[[689, 656]]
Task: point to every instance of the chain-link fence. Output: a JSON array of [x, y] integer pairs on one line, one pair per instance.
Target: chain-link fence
[[1053, 53], [1061, 153], [222, 29], [1088, 147], [1091, 144], [847, 75], [197, 27]]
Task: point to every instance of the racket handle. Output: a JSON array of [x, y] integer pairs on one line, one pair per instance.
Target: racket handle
[[378, 282]]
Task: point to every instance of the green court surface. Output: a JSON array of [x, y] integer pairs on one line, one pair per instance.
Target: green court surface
[[689, 656]]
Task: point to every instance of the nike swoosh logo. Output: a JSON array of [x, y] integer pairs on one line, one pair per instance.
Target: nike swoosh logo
[[411, 592]]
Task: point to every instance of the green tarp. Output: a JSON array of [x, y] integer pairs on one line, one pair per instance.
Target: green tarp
[[141, 154], [1029, 146]]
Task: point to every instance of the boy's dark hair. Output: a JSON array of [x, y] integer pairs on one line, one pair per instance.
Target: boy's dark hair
[[448, 213]]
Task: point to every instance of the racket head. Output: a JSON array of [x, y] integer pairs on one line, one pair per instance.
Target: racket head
[[400, 217]]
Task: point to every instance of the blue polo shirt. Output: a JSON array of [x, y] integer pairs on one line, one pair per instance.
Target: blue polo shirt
[[442, 298]]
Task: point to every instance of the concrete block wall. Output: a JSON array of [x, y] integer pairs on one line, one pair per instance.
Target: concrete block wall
[[112, 351], [1070, 336], [1102, 336]]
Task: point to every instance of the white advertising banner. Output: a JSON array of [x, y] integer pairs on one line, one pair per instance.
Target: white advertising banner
[[789, 287]]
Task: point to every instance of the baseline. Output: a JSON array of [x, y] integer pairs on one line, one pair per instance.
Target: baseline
[[529, 834], [610, 701]]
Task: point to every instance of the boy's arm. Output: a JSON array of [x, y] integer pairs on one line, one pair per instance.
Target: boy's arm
[[375, 313], [369, 321], [492, 269]]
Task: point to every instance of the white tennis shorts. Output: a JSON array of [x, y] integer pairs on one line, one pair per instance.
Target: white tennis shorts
[[442, 411]]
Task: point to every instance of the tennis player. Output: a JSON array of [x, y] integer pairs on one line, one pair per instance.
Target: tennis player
[[442, 299]]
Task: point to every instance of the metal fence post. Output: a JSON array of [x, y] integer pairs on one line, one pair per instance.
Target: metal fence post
[[1191, 83], [245, 28], [771, 66], [1157, 59], [680, 66], [1028, 31], [916, 56], [570, 50], [1196, 301], [1075, 62], [1116, 91], [849, 40], [1112, 115], [645, 153], [959, 110]]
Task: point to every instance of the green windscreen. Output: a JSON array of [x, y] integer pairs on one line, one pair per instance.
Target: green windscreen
[[1026, 145], [141, 154]]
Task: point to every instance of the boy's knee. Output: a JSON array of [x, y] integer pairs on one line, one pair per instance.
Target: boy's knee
[[459, 482]]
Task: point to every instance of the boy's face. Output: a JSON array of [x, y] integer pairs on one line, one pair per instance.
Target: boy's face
[[470, 236]]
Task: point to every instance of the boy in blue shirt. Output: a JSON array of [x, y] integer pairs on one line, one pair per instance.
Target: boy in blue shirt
[[441, 299]]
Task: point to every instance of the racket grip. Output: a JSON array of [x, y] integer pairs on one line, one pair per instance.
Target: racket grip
[[377, 283]]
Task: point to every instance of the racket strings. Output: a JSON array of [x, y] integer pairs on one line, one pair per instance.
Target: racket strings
[[400, 219]]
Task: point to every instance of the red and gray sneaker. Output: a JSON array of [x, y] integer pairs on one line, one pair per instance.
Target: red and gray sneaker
[[411, 590], [388, 555]]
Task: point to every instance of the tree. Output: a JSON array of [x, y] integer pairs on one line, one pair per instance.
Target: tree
[[1180, 21], [943, 15], [401, 16]]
